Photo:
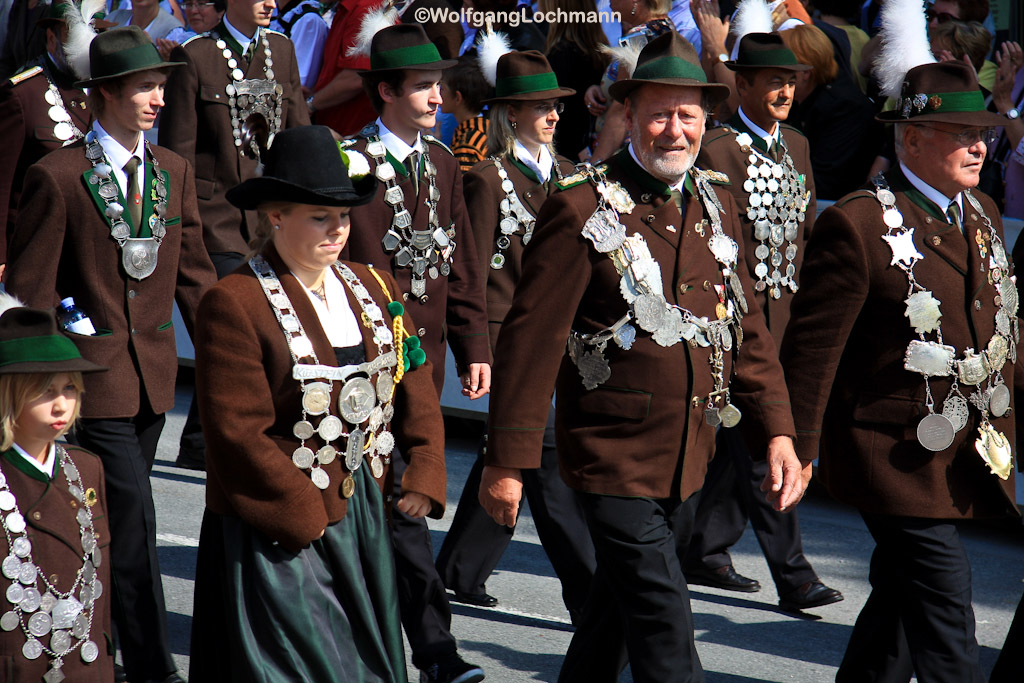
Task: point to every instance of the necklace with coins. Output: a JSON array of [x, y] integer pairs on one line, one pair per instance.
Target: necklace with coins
[[777, 200], [54, 622], [642, 289], [515, 218], [930, 356], [138, 254], [253, 98], [64, 127], [427, 252], [366, 410]]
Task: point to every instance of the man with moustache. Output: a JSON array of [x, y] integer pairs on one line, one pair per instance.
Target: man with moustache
[[40, 110], [239, 87], [644, 256], [900, 356], [769, 164], [417, 227], [112, 221]]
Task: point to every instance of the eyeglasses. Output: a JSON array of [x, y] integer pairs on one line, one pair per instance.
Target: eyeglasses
[[943, 17], [548, 107], [970, 136], [196, 5]]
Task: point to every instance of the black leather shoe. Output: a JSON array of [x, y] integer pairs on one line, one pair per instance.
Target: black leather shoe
[[188, 460], [478, 599], [725, 578], [452, 669], [811, 594]]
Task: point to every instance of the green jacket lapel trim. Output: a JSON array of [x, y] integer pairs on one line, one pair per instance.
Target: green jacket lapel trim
[[756, 140], [225, 34], [902, 184], [148, 199], [527, 171], [18, 461], [94, 191], [399, 167]]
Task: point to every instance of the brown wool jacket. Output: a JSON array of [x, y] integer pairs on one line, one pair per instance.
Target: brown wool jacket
[[483, 192], [844, 349], [62, 247], [196, 123], [27, 131], [249, 402], [719, 152], [50, 512], [641, 433], [454, 311]]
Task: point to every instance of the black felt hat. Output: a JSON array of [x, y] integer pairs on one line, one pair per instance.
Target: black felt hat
[[669, 59], [943, 92], [305, 165], [765, 51], [31, 343], [120, 52]]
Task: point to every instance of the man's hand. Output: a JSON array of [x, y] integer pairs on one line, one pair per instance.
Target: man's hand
[[477, 381], [501, 490], [416, 505], [787, 477]]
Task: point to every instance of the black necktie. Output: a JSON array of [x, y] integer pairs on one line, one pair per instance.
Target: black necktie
[[132, 194], [412, 163]]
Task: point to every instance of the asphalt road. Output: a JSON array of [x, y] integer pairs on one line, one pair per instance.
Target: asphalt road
[[740, 637]]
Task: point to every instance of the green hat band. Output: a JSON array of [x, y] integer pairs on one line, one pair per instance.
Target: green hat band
[[131, 59], [778, 57], [48, 349], [946, 102], [669, 67], [402, 57], [521, 85]]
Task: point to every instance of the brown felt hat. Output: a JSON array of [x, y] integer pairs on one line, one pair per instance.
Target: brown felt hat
[[669, 59], [120, 52], [404, 46], [526, 76], [943, 92], [765, 51]]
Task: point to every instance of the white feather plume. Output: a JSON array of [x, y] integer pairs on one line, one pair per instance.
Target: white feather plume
[[379, 19], [626, 55], [489, 50], [80, 35], [752, 16], [904, 44], [9, 301]]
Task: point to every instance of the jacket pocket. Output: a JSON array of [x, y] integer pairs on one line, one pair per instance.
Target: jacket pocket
[[214, 95], [629, 404], [165, 326], [888, 410], [204, 188]]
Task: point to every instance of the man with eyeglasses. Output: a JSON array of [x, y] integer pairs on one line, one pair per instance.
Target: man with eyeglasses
[[900, 361], [942, 11], [202, 16]]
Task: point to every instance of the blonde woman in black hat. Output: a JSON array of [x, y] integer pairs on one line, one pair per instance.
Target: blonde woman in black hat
[[504, 195], [307, 379], [55, 618]]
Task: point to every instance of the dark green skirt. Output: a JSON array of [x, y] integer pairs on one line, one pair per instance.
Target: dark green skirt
[[328, 613]]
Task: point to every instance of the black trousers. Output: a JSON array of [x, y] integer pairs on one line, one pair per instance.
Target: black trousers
[[475, 543], [422, 599], [127, 447], [1010, 664], [918, 618], [192, 446], [638, 609], [732, 495]]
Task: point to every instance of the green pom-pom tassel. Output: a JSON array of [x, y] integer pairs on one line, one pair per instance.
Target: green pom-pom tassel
[[412, 343], [417, 357], [395, 308], [405, 363]]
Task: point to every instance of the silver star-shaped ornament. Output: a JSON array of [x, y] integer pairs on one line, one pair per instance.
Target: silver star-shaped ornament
[[903, 249], [923, 311]]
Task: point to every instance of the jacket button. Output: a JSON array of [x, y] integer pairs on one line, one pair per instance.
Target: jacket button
[[405, 296], [927, 219], [54, 579], [529, 194], [36, 516], [134, 332], [131, 293], [936, 240], [682, 288], [421, 332], [73, 504], [707, 285], [649, 218]]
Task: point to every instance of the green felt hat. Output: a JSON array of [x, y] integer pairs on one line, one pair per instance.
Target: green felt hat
[[30, 343], [943, 92], [120, 52], [765, 51], [404, 46], [669, 59], [525, 75]]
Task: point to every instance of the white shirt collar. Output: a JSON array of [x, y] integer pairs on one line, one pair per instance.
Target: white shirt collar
[[46, 467], [542, 167], [396, 145], [240, 37], [678, 187], [769, 138], [940, 200], [118, 156]]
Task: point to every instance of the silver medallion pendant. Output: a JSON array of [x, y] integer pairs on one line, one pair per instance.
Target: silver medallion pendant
[[955, 409], [330, 428], [594, 369], [605, 231], [999, 400], [712, 415], [319, 478], [730, 415], [90, 651], [303, 457], [354, 450], [376, 467], [303, 430], [326, 455], [316, 398], [650, 310], [935, 432], [357, 400], [139, 256]]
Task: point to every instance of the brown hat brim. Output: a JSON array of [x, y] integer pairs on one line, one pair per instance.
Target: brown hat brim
[[717, 91], [93, 82], [984, 119], [526, 97]]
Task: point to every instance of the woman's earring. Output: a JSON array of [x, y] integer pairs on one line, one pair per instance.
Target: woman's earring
[[277, 227], [513, 125]]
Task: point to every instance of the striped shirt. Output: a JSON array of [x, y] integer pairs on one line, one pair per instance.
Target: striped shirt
[[469, 142]]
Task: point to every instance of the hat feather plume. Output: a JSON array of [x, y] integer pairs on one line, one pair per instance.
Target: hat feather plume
[[490, 49], [626, 55], [752, 16], [376, 20], [80, 35], [9, 301], [904, 44]]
